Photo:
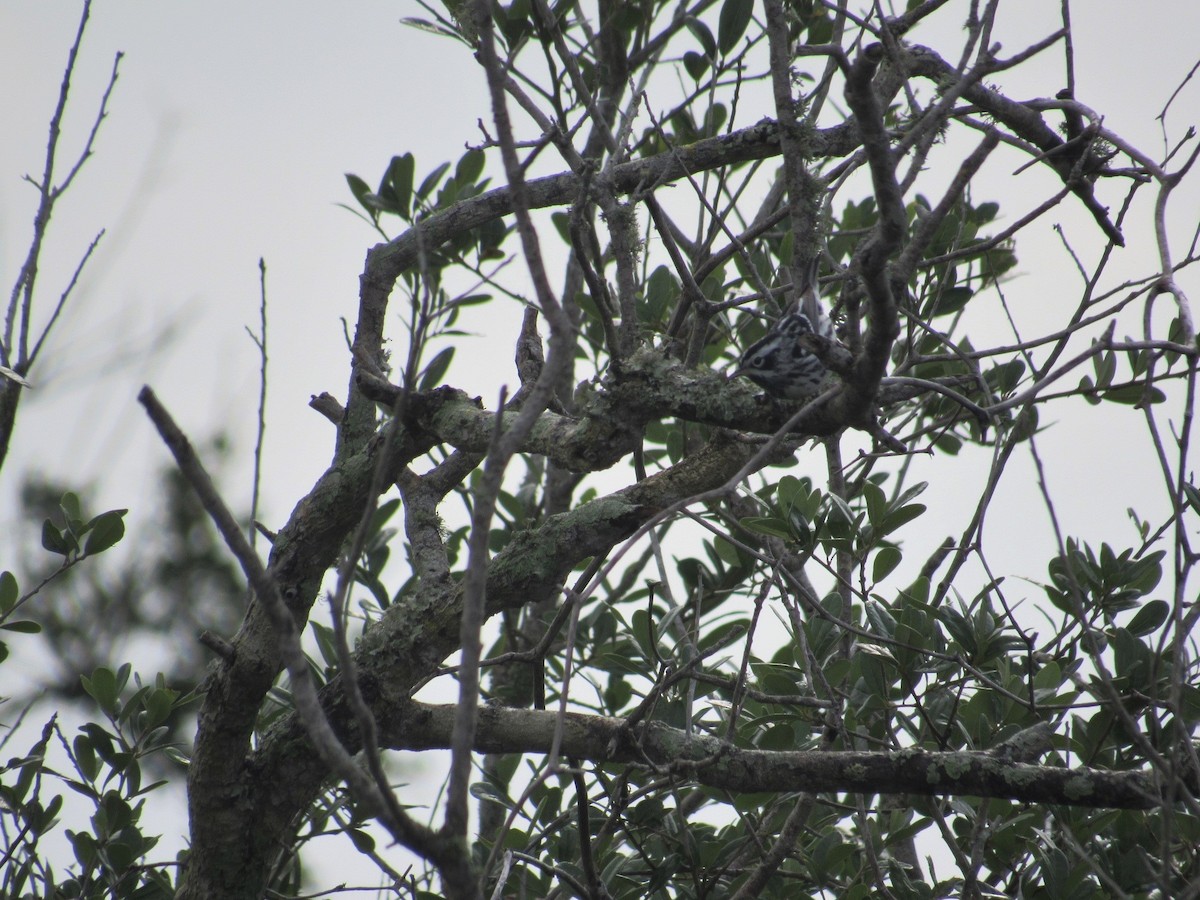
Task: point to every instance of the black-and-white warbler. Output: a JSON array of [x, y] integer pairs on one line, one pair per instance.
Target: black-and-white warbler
[[779, 363]]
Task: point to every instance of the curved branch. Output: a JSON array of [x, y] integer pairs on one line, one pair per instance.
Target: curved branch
[[873, 256], [409, 643]]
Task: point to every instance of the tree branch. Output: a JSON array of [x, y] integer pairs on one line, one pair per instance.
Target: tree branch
[[717, 764]]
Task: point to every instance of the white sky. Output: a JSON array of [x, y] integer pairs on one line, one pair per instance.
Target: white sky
[[228, 136]]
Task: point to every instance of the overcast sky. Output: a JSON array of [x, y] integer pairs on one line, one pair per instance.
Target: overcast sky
[[228, 136]]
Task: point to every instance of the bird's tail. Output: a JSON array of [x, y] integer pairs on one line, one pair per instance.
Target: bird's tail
[[809, 294]]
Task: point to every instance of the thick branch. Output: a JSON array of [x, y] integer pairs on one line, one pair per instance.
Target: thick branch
[[760, 141], [407, 646], [649, 387], [714, 763], [884, 241], [219, 783]]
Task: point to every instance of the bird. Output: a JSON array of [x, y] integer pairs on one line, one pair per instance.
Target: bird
[[779, 363]]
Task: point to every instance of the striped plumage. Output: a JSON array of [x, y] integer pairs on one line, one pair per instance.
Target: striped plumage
[[779, 363]]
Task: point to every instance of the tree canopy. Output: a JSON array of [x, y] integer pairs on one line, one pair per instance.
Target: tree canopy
[[669, 634]]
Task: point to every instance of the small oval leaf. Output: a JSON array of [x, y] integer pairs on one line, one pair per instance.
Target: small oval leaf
[[1149, 617], [702, 33], [696, 64], [432, 376], [735, 16], [53, 540], [105, 530], [22, 626], [885, 563], [8, 592]]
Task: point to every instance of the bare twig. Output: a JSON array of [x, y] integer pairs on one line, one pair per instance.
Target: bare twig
[[260, 432]]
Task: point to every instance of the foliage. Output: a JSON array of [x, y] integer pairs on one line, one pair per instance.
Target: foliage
[[103, 761], [180, 583]]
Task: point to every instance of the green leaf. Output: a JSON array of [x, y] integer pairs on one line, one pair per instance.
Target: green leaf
[[102, 741], [159, 704], [951, 300], [696, 64], [985, 212], [469, 168], [767, 525], [1134, 395], [675, 445], [702, 34], [876, 502], [22, 626], [383, 512], [798, 495], [1048, 678], [432, 376], [431, 181], [102, 687], [399, 180], [8, 592], [85, 757], [644, 632], [1189, 490], [881, 619], [562, 224], [360, 189], [105, 530], [885, 563], [1026, 424], [482, 790], [431, 27], [839, 511], [948, 444], [53, 540], [735, 16], [662, 289], [1005, 376], [726, 552], [514, 506], [1149, 617], [513, 22], [899, 517], [958, 626], [714, 119], [1131, 658], [69, 504], [468, 300], [84, 847], [326, 643], [1144, 574], [1105, 365]]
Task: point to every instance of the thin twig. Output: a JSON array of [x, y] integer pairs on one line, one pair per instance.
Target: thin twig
[[260, 432]]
